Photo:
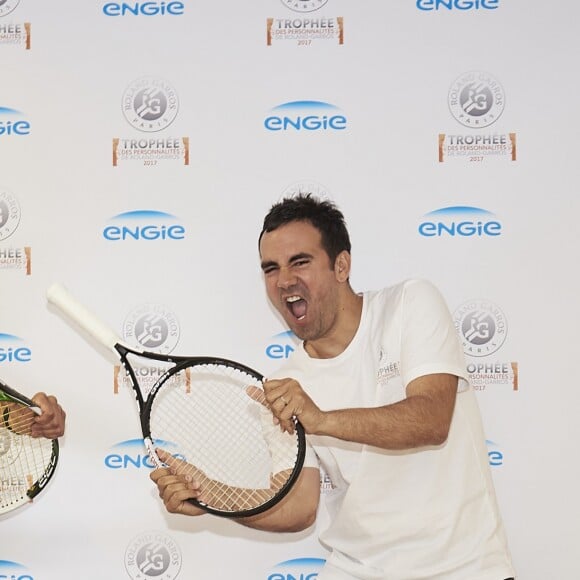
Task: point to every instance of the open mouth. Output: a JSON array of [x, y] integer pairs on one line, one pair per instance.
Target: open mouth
[[297, 306]]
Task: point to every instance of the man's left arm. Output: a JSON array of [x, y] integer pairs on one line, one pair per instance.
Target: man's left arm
[[422, 419]]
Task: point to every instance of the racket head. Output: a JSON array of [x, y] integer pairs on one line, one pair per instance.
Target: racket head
[[211, 414], [26, 463]]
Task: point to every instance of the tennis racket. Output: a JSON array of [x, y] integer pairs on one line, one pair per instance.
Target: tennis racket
[[26, 463], [208, 412]]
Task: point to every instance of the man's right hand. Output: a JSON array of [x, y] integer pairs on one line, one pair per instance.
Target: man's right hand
[[176, 485]]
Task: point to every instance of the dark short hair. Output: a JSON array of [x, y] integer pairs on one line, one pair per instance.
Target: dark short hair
[[322, 214]]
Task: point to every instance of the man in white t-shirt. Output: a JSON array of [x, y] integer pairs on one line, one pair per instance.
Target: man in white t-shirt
[[380, 387]]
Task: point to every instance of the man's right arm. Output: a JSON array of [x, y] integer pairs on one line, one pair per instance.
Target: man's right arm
[[294, 513]]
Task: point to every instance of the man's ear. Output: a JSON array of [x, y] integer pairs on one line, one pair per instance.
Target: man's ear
[[342, 266]]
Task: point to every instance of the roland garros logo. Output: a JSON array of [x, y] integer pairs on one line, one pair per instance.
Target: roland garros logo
[[9, 214], [7, 6], [153, 556], [304, 5], [476, 99], [153, 327], [150, 104], [481, 326]]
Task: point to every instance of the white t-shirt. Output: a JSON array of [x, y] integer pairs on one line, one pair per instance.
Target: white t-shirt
[[421, 514]]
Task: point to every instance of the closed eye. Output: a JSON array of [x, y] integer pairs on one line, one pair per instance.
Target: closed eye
[[269, 267], [300, 262]]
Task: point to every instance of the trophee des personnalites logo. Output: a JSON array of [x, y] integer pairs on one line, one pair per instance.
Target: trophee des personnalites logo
[[150, 105], [12, 257], [304, 24], [13, 32], [482, 328], [476, 101]]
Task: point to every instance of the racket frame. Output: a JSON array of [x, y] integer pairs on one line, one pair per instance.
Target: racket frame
[[145, 405], [60, 297]]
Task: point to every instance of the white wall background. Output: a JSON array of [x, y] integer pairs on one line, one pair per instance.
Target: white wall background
[[390, 79]]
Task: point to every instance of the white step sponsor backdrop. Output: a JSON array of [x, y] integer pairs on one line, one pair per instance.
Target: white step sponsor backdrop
[[414, 117]]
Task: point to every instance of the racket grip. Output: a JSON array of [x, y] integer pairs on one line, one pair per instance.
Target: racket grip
[[59, 296]]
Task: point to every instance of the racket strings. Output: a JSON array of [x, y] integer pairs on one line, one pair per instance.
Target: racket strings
[[23, 461], [17, 417], [228, 439]]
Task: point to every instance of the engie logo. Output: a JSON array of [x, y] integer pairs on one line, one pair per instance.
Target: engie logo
[[494, 454], [144, 225], [143, 8], [131, 454], [12, 123], [13, 571], [457, 4], [299, 568], [10, 351], [282, 346], [305, 116], [461, 221]]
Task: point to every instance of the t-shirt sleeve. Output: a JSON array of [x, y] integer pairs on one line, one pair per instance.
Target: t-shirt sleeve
[[429, 341]]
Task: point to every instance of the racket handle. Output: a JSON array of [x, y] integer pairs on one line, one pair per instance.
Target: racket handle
[[59, 296]]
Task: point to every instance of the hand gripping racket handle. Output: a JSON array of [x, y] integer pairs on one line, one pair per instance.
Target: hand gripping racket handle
[[59, 296]]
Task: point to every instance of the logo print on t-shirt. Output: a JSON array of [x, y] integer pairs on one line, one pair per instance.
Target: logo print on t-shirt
[[387, 369]]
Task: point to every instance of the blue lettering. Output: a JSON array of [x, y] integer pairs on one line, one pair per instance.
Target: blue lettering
[[492, 228], [289, 122], [147, 462], [149, 232], [143, 8], [275, 351], [118, 461], [428, 229], [337, 122], [468, 228], [313, 123], [273, 123], [495, 458], [429, 5], [14, 128], [278, 351], [21, 354], [128, 460], [465, 229], [278, 576], [114, 461], [152, 232], [444, 228], [309, 123]]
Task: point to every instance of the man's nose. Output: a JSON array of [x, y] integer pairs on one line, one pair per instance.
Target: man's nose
[[286, 278]]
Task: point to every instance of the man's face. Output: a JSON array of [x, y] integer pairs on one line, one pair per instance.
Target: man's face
[[300, 281]]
